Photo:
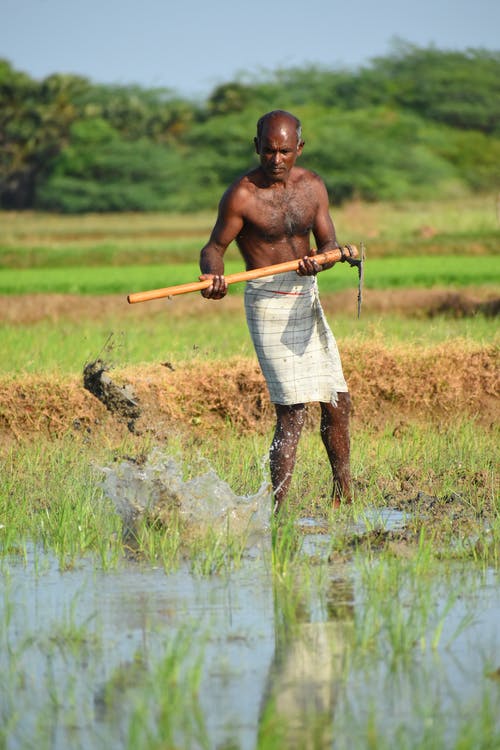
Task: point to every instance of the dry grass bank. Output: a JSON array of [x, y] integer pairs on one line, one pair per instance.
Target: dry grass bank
[[388, 385]]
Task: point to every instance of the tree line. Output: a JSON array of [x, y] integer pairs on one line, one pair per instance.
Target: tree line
[[416, 123]]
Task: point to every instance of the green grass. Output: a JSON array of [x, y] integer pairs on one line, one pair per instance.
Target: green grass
[[452, 227], [52, 495], [473, 219], [171, 251], [44, 347], [96, 254]]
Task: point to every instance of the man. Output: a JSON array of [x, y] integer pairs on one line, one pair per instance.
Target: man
[[271, 212]]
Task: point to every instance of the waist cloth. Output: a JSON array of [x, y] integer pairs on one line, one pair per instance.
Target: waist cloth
[[296, 349]]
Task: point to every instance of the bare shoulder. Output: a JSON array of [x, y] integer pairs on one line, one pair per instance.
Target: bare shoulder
[[238, 192], [305, 177]]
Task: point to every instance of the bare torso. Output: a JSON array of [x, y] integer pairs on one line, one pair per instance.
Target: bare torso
[[270, 222], [277, 219]]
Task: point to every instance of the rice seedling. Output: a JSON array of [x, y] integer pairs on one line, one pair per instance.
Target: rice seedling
[[431, 723], [156, 542], [213, 551], [161, 696], [403, 611], [176, 719]]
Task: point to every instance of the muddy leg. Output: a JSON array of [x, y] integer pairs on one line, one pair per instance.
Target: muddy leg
[[335, 436], [283, 452]]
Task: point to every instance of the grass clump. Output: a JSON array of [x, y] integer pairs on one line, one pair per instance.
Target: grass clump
[[50, 498]]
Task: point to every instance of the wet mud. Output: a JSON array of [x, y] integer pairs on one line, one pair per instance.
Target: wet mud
[[120, 400], [447, 520], [458, 305]]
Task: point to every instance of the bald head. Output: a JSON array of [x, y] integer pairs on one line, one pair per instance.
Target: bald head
[[279, 117], [278, 144]]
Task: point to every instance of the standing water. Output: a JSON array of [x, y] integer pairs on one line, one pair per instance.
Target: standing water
[[288, 649]]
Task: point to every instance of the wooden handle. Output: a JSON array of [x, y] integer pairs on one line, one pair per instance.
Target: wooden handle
[[330, 256]]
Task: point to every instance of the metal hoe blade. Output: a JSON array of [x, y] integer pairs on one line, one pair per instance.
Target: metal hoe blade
[[359, 263], [361, 276]]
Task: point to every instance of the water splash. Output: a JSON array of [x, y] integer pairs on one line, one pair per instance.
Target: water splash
[[156, 485]]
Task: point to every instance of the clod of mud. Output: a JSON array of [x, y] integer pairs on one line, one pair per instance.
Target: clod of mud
[[452, 507], [119, 400], [399, 541]]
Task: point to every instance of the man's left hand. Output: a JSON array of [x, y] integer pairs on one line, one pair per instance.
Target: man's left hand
[[308, 266]]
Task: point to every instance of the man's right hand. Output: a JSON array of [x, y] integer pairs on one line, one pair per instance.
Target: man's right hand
[[217, 289]]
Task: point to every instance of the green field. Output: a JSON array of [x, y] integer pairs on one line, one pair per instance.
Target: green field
[[138, 637], [448, 243], [120, 254], [385, 273]]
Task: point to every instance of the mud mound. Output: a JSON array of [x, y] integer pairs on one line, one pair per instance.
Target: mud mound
[[388, 385], [436, 382]]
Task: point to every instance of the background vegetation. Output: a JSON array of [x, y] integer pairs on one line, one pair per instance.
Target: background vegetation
[[413, 124]]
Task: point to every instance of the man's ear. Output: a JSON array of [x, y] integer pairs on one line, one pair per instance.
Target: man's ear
[[256, 144], [300, 146]]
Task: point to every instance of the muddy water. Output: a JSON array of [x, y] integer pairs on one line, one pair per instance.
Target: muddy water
[[80, 652]]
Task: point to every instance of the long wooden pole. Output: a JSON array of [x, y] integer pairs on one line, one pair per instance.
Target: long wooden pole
[[330, 256]]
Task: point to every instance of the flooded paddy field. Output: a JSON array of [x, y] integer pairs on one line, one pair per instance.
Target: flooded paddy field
[[147, 604], [377, 653]]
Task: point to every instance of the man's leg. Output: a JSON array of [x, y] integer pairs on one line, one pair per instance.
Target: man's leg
[[283, 452], [335, 436]]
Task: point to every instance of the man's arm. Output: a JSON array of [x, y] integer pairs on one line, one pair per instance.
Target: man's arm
[[323, 230], [227, 227]]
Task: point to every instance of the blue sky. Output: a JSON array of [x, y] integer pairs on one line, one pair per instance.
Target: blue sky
[[193, 45]]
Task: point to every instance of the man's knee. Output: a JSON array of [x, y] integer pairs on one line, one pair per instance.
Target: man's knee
[[290, 414], [344, 402], [343, 405]]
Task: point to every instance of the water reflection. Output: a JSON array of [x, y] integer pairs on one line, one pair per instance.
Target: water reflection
[[245, 660], [307, 669]]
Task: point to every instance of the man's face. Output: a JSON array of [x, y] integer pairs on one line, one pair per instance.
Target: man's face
[[278, 148]]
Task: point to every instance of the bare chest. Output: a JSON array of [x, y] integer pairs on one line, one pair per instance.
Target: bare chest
[[275, 214]]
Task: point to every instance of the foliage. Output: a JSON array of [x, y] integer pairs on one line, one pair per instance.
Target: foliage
[[34, 126], [156, 114], [461, 89], [414, 123], [101, 171], [375, 154]]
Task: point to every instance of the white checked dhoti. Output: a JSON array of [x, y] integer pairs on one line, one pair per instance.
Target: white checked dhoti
[[296, 349]]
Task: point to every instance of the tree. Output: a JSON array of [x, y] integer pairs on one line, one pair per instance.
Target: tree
[[98, 170], [461, 89], [34, 125]]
